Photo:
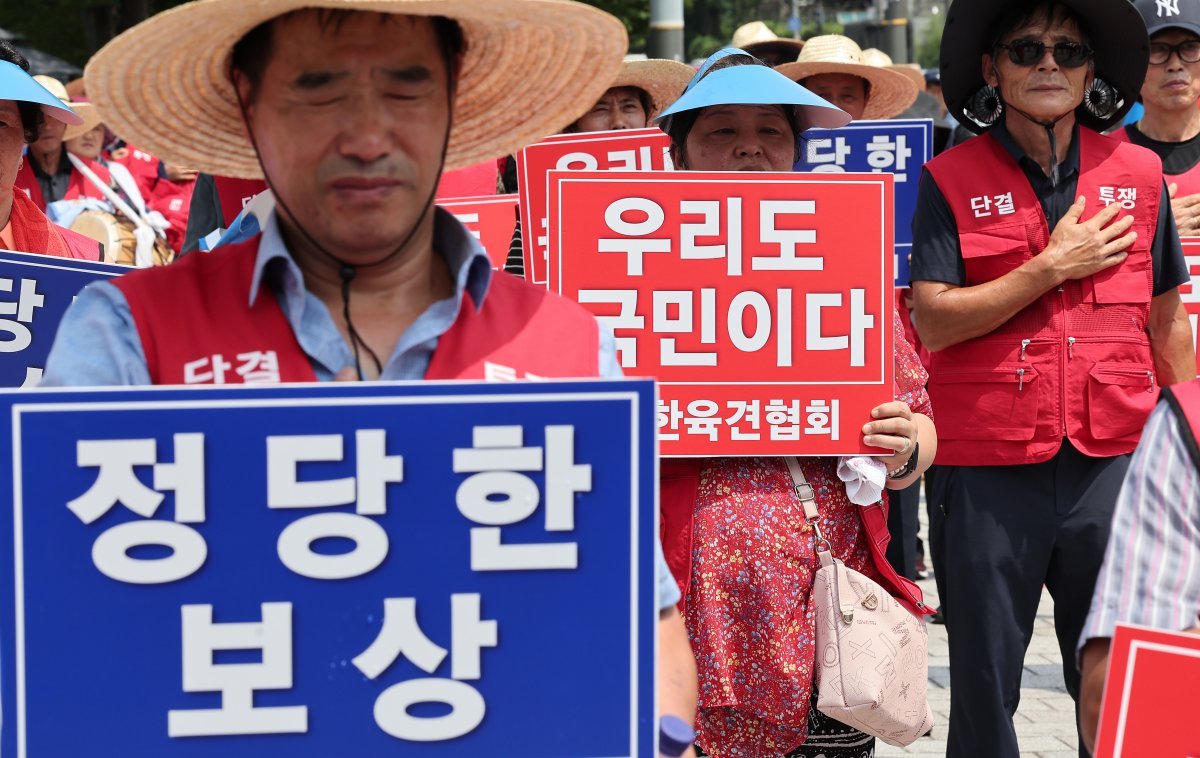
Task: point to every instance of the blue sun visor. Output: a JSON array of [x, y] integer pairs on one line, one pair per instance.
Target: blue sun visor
[[754, 85], [17, 85]]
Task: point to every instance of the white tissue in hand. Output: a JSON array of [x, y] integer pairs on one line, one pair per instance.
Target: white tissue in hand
[[864, 477]]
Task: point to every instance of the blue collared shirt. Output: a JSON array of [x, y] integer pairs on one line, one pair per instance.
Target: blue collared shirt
[[98, 345]]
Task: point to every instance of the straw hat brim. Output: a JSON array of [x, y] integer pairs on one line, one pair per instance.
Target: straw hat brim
[[916, 76], [663, 80], [530, 66], [890, 95], [91, 119]]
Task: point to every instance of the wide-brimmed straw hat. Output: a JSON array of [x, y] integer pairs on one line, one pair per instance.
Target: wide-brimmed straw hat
[[86, 111], [753, 84], [873, 56], [16, 84], [662, 80], [757, 39], [530, 67], [890, 93], [1114, 29]]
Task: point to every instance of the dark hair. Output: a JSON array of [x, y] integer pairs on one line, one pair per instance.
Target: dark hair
[[680, 124], [1027, 13], [252, 52], [31, 113]]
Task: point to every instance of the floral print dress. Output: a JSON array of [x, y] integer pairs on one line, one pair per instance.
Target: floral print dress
[[753, 563]]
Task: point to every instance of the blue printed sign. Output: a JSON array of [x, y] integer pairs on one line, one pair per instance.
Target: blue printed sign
[[35, 291], [899, 147], [393, 569]]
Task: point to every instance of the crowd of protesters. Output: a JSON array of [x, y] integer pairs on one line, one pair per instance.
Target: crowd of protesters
[[1043, 318]]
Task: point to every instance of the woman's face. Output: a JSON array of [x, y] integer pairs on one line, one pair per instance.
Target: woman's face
[[739, 138], [88, 144], [12, 143]]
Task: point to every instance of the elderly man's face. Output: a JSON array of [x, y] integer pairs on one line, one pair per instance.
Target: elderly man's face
[[739, 138], [846, 91], [1045, 90], [12, 142], [50, 136], [350, 122], [88, 144], [1174, 85], [619, 108]]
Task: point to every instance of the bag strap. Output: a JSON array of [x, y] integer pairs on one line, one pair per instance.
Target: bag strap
[[808, 500]]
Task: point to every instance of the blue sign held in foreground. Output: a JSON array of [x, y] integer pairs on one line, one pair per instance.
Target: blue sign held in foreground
[[405, 569], [899, 146], [35, 291]]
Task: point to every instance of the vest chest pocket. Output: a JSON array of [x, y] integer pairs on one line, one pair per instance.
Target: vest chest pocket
[[1120, 398], [986, 403], [1132, 280], [992, 253]]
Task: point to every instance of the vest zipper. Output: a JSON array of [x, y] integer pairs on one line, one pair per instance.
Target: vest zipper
[[1150, 377], [1024, 345], [1070, 348], [1020, 379], [1062, 376]]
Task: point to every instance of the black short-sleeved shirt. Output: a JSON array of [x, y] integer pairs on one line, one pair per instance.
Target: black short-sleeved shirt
[[937, 255], [1177, 157]]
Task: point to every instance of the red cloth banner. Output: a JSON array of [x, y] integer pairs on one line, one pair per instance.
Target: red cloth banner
[[1190, 292], [622, 150], [761, 302], [491, 218], [1150, 705]]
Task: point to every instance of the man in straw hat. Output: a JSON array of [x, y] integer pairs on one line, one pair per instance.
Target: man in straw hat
[[350, 115], [1170, 125], [832, 66], [1045, 270], [48, 176], [25, 107], [757, 39]]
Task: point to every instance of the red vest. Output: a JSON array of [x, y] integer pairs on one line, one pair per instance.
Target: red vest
[[1076, 363], [234, 194], [1189, 181], [1184, 399], [77, 187], [198, 308]]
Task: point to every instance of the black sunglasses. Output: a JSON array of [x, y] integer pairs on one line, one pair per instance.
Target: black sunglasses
[[1028, 52], [1188, 50]]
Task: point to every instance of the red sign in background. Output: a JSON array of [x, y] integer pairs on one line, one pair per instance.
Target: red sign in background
[[1190, 292], [761, 302], [491, 218], [622, 150], [1151, 707]]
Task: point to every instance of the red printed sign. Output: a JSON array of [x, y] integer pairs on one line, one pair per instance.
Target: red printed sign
[[491, 218], [1150, 703], [623, 150], [1190, 291], [762, 303]]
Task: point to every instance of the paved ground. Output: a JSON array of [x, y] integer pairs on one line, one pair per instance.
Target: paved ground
[[1045, 720]]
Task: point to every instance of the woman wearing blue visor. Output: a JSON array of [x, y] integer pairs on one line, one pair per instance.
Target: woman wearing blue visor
[[749, 564], [23, 105]]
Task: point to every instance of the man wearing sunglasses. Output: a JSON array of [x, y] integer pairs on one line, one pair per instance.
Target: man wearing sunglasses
[[1045, 272], [1171, 125]]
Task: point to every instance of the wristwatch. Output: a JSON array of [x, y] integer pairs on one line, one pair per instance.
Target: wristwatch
[[908, 467]]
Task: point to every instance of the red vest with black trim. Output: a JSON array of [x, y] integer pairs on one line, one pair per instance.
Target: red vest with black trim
[[198, 307], [1076, 363], [234, 194], [1184, 399], [77, 187], [1188, 181]]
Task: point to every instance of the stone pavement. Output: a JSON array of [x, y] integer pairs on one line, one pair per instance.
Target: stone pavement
[[1045, 719]]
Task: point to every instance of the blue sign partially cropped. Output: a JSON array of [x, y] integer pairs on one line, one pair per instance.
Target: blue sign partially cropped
[[35, 291], [356, 570], [899, 147]]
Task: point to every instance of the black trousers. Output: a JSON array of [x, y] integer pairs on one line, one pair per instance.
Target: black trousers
[[904, 508], [1007, 530]]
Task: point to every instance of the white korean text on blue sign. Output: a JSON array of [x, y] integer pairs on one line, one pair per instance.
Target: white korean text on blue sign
[[426, 569], [35, 291], [899, 147]]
